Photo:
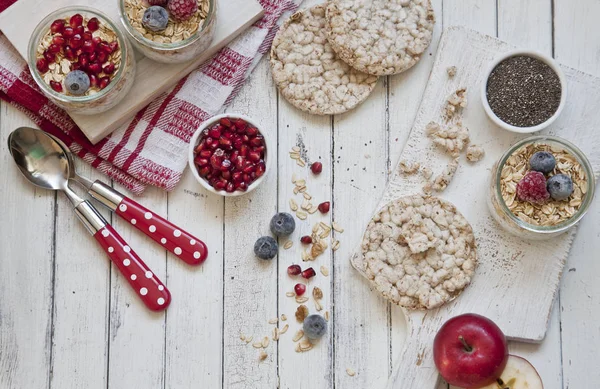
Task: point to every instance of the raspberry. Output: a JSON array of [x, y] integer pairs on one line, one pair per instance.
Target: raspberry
[[532, 188], [183, 9], [161, 3]]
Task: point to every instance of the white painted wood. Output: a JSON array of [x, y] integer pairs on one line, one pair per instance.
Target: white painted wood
[[195, 317], [250, 291], [81, 299], [577, 44], [137, 335], [26, 270], [152, 78], [534, 278]]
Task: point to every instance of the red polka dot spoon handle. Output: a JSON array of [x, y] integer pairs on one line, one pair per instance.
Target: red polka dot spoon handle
[[185, 246], [145, 284]]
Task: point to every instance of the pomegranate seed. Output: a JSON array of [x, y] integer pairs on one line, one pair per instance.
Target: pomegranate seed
[[79, 30], [76, 20], [260, 168], [101, 55], [246, 178], [294, 270], [226, 175], [316, 167], [237, 177], [57, 26], [57, 86], [299, 289], [245, 138], [68, 32], [306, 239], [93, 56], [260, 149], [225, 122], [244, 150], [215, 132], [237, 144], [252, 131], [254, 156], [93, 80], [225, 165], [93, 24], [230, 187], [76, 66], [242, 186], [204, 171], [50, 57], [324, 207], [216, 159], [76, 41], [240, 125], [205, 153], [114, 46], [83, 60], [105, 47], [58, 40], [249, 168], [94, 68], [96, 40], [224, 141], [220, 185], [109, 69], [256, 142], [87, 36], [198, 160], [309, 273], [103, 82], [42, 65], [88, 47], [69, 53]]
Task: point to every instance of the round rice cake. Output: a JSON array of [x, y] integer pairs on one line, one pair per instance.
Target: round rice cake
[[380, 37], [418, 251], [308, 72]]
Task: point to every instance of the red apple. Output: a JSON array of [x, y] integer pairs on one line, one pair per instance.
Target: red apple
[[470, 351], [518, 374]]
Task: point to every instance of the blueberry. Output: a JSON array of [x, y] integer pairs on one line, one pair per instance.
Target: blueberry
[[560, 186], [314, 326], [282, 224], [77, 82], [542, 162], [265, 247], [155, 18]]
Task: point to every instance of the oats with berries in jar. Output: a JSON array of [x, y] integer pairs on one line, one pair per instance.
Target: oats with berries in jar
[[543, 185]]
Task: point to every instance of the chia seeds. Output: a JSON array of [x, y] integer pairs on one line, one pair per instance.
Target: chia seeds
[[523, 91]]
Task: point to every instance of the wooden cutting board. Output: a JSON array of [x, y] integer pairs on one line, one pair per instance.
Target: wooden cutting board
[[516, 280], [152, 78]]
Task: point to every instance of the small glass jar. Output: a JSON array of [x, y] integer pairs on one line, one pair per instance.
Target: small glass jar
[[510, 222], [103, 99], [164, 51]]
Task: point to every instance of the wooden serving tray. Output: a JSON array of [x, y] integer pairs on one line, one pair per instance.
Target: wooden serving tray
[[152, 78], [516, 281]]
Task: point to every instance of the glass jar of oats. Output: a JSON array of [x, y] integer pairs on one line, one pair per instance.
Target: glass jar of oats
[[179, 40], [550, 217], [85, 42]]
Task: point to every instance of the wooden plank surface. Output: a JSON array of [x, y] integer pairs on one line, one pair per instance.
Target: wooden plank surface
[[196, 326], [152, 78]]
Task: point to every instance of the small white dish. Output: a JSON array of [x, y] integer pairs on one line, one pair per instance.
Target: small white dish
[[547, 60], [196, 138]]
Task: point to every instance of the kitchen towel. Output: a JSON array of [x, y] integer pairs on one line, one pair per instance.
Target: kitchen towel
[[152, 148]]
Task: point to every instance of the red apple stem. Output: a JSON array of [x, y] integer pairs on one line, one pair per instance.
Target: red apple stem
[[465, 344]]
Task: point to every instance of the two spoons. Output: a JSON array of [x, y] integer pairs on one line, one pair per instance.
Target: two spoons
[[47, 163]]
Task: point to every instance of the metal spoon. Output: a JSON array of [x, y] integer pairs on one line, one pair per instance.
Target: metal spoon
[[44, 163], [175, 239]]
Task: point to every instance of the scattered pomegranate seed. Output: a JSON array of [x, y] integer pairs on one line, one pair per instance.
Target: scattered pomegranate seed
[[113, 46], [109, 69], [54, 48], [76, 20], [324, 207], [50, 57], [103, 82], [228, 159], [316, 167], [42, 65], [93, 24], [299, 289], [93, 80], [68, 32], [57, 26], [94, 68], [309, 273], [102, 56], [306, 239], [57, 86], [294, 270]]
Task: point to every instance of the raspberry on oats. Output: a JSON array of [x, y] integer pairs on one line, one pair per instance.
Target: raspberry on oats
[[183, 9], [532, 188]]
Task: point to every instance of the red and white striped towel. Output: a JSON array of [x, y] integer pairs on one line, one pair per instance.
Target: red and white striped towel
[[152, 148]]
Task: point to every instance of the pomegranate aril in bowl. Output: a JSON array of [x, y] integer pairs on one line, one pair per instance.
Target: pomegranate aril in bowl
[[229, 155]]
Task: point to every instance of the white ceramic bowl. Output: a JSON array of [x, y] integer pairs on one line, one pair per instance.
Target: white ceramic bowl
[[524, 130], [196, 138]]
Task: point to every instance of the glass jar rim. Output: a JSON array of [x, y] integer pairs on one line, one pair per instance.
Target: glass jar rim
[[44, 25], [581, 158], [135, 34]]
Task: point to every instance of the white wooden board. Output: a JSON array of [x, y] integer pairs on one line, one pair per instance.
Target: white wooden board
[[152, 78], [516, 280]]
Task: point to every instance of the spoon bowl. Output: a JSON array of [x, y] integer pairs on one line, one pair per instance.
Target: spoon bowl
[[41, 160]]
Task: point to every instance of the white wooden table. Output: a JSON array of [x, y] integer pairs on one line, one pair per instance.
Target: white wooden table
[[67, 319]]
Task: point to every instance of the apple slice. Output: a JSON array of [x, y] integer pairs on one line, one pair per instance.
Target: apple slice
[[518, 374]]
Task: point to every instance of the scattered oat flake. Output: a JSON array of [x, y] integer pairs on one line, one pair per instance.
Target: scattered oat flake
[[451, 71], [290, 294], [301, 215], [350, 372], [288, 244], [248, 340], [300, 163], [335, 245], [336, 227], [325, 271], [262, 355], [257, 345], [301, 299], [314, 209], [265, 342], [318, 306], [273, 321], [284, 329], [242, 337], [305, 345], [299, 335], [283, 317], [293, 205], [326, 316], [296, 149], [275, 334]]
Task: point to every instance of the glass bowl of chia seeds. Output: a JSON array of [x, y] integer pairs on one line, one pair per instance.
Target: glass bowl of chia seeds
[[523, 91], [550, 217]]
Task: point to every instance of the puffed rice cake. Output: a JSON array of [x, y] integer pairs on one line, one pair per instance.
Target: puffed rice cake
[[380, 37], [307, 71], [418, 251]]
